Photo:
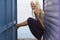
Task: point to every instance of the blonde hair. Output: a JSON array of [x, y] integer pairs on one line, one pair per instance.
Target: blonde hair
[[37, 4]]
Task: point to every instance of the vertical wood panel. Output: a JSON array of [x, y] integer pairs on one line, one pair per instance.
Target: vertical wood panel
[[51, 19], [8, 18]]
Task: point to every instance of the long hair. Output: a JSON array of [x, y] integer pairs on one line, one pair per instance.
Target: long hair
[[37, 4]]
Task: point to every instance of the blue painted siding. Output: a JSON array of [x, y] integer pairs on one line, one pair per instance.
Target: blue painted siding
[[8, 19]]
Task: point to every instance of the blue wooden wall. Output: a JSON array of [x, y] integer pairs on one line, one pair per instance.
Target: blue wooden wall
[[8, 20], [51, 19]]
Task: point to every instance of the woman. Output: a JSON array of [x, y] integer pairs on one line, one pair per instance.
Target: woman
[[36, 25]]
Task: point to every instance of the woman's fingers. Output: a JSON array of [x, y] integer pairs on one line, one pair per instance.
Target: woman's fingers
[[36, 12]]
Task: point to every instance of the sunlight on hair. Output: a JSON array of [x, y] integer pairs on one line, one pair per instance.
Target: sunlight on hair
[[37, 4]]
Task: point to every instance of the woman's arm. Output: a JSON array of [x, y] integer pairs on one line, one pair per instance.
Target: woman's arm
[[37, 12], [40, 20]]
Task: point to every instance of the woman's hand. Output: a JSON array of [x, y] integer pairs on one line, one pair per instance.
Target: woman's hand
[[37, 13], [17, 26]]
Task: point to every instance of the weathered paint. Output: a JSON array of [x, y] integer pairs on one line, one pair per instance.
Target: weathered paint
[[8, 20]]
